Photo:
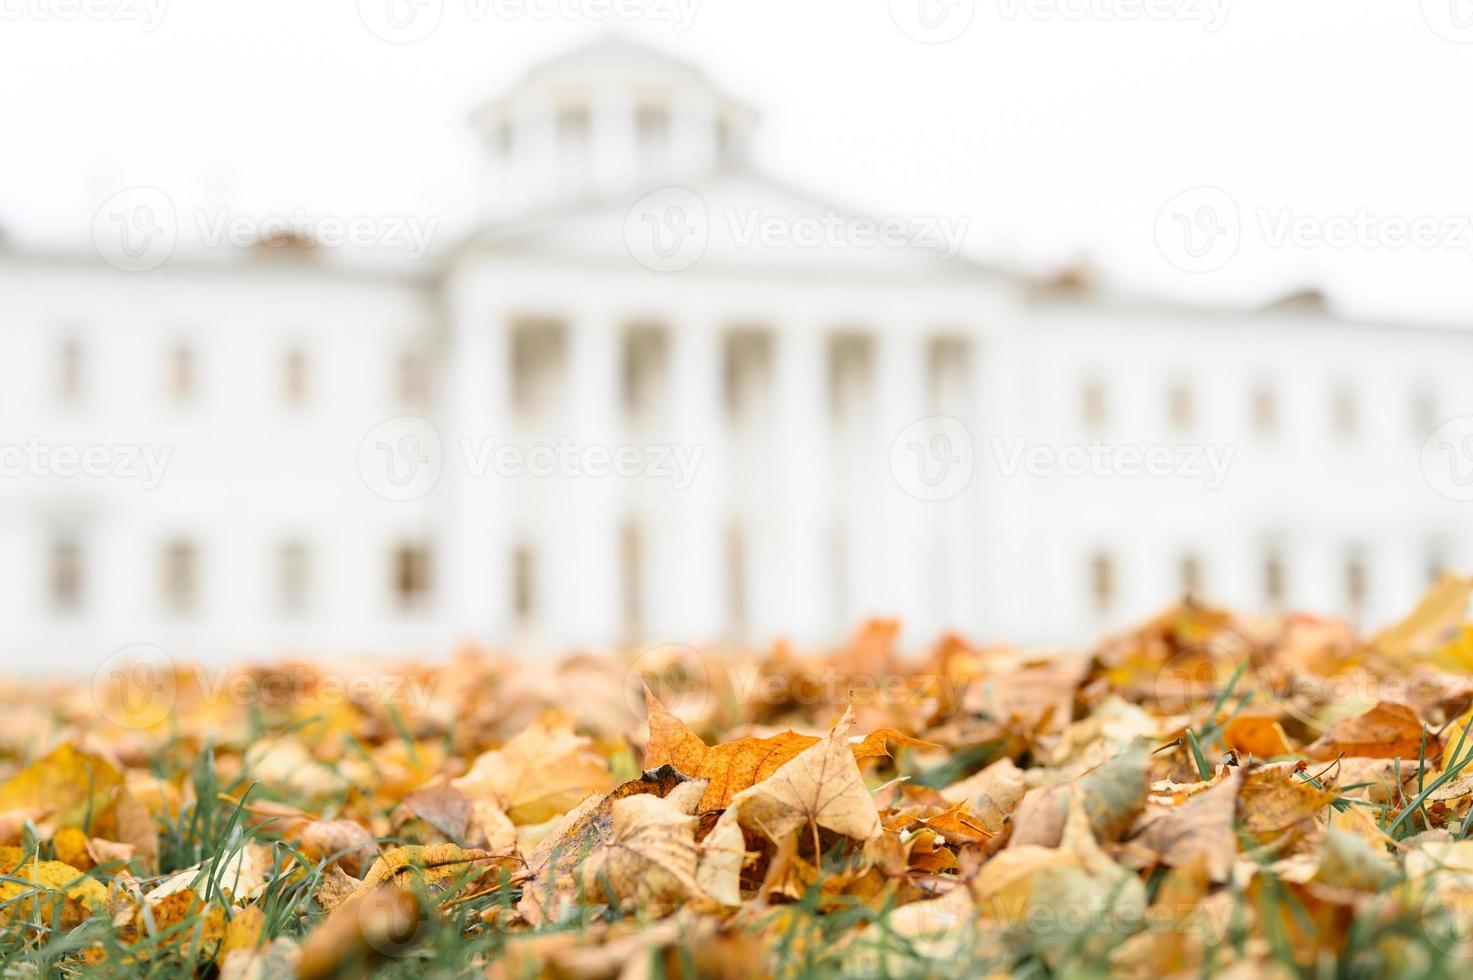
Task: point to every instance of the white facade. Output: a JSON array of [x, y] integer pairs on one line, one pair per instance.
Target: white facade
[[783, 371]]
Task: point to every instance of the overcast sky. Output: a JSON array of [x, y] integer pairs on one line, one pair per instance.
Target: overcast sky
[[1056, 128]]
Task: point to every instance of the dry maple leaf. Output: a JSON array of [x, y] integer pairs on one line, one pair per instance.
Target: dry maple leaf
[[734, 766], [650, 861], [549, 874], [1389, 730], [819, 787]]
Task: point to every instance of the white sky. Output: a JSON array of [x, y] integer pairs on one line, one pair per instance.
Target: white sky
[[1053, 136]]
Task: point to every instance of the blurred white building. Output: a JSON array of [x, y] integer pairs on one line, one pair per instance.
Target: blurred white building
[[667, 399]]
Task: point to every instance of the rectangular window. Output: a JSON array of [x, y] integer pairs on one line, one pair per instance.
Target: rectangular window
[[748, 373], [293, 577], [180, 584], [1344, 412], [736, 581], [1102, 581], [631, 560], [537, 357], [65, 574], [1095, 407], [948, 370], [524, 586], [294, 377], [1265, 410], [412, 576], [181, 373], [851, 367], [1181, 407], [69, 373], [1356, 587], [1191, 576], [654, 130], [645, 369], [1274, 585], [413, 381], [573, 127], [1424, 413]]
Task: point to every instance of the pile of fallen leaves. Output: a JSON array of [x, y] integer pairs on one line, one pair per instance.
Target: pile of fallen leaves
[[1204, 794]]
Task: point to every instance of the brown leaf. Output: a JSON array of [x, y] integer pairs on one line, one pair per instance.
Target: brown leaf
[[1388, 731], [734, 766], [819, 787], [1199, 832]]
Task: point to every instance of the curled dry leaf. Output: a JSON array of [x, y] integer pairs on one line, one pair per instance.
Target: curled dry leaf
[[819, 787], [1387, 731], [734, 766]]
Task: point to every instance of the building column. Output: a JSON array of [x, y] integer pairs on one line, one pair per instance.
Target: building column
[[792, 575], [473, 556], [686, 601], [904, 577], [580, 589]]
